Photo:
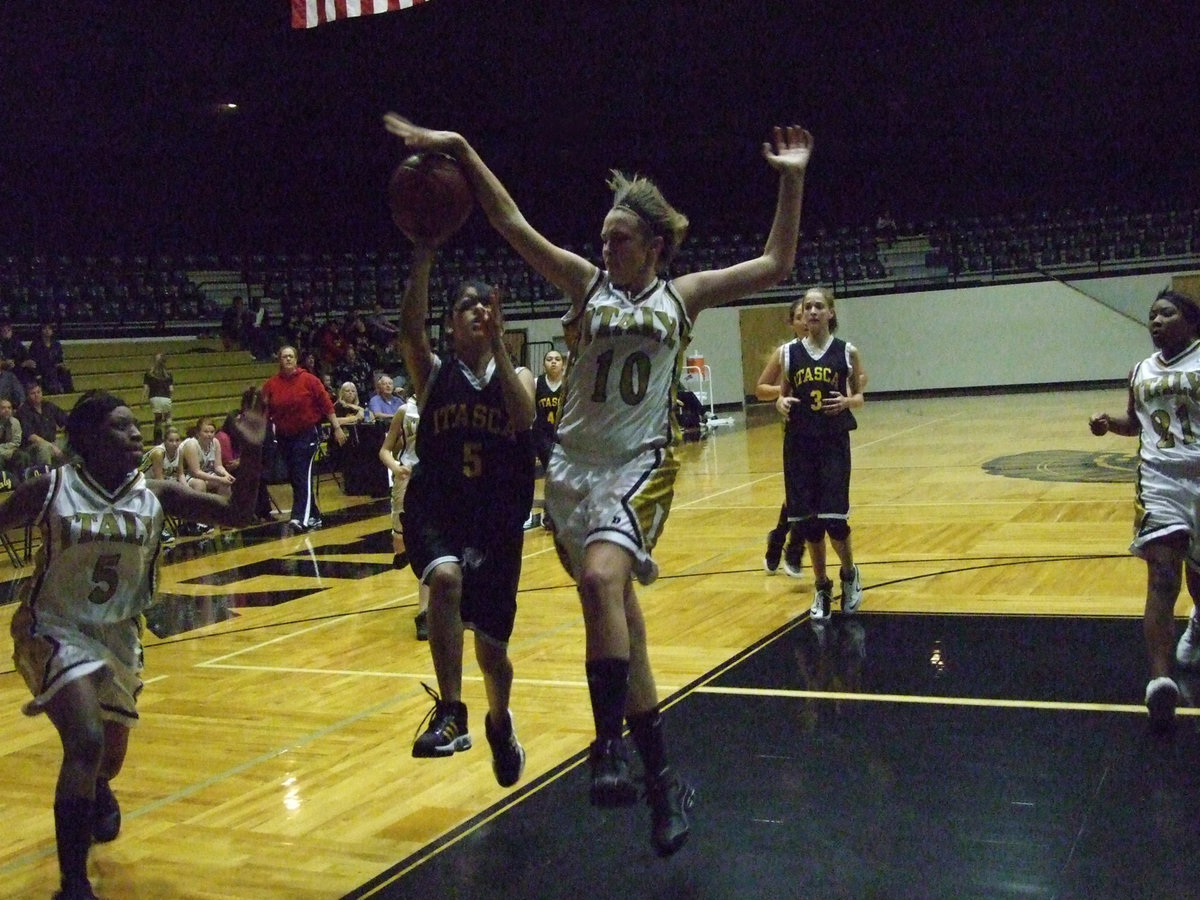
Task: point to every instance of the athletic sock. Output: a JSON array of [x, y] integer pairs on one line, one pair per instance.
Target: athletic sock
[[608, 685], [73, 835], [650, 740]]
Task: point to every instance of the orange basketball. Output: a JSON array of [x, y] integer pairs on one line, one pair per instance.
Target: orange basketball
[[430, 198]]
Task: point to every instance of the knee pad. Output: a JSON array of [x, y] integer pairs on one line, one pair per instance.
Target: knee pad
[[813, 530], [838, 529]]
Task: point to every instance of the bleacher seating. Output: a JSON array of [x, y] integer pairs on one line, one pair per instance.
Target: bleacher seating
[[183, 294], [208, 380]]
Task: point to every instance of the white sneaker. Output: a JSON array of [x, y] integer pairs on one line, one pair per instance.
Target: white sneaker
[[1187, 651], [1162, 696], [852, 593], [822, 599]]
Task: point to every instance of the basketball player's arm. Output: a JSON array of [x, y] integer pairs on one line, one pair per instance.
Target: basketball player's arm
[[24, 503], [238, 508], [785, 401], [789, 157], [567, 271], [767, 387], [414, 310], [518, 387], [393, 444], [857, 382], [1125, 425]]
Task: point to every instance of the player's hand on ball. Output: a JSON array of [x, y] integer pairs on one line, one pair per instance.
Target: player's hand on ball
[[417, 138]]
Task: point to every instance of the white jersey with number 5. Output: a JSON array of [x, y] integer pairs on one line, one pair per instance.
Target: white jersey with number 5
[[626, 353], [1166, 396], [97, 562]]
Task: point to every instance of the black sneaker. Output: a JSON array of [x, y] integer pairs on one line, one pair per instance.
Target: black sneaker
[[508, 756], [774, 551], [422, 623], [106, 818], [611, 784], [669, 798], [793, 558], [447, 731]]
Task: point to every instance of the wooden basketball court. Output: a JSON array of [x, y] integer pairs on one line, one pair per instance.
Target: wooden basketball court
[[283, 695]]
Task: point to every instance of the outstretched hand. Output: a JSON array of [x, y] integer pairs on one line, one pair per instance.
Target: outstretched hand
[[251, 427], [493, 322], [417, 138], [790, 150]]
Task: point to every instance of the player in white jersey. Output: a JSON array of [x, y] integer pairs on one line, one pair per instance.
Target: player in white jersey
[[1164, 412], [77, 629], [611, 478], [402, 437]]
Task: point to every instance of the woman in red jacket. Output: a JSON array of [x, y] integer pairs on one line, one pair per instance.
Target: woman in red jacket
[[296, 403]]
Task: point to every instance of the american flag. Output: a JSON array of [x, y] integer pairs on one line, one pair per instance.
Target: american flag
[[311, 13]]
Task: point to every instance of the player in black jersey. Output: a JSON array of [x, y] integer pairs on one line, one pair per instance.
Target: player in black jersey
[[466, 505], [822, 381], [547, 399]]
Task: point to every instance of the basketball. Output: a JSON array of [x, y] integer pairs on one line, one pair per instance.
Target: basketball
[[430, 198]]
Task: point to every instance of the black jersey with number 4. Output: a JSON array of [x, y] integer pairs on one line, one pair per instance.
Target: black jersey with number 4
[[813, 375], [472, 463]]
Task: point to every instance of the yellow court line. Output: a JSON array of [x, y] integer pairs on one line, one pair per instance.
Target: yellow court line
[[937, 701]]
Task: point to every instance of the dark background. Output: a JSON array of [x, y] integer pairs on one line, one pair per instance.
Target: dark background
[[112, 136]]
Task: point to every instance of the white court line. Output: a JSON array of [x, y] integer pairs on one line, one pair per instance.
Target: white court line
[[937, 701]]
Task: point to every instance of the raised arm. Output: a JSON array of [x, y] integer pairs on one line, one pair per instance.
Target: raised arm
[[518, 386], [567, 271], [414, 311], [789, 156]]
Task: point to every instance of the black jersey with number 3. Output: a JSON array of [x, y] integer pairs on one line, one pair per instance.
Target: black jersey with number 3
[[813, 375], [471, 461]]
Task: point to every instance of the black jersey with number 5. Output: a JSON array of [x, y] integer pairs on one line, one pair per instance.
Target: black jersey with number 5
[[472, 462]]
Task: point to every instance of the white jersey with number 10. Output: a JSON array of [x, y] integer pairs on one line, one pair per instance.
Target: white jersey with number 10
[[626, 353]]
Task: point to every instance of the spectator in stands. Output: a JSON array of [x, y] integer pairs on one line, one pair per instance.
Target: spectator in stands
[[354, 331], [349, 411], [385, 402], [310, 363], [15, 356], [10, 437], [330, 345], [201, 461], [390, 360], [296, 403], [380, 330], [885, 227], [40, 421], [355, 369], [11, 388], [158, 387], [257, 330], [46, 351], [232, 323]]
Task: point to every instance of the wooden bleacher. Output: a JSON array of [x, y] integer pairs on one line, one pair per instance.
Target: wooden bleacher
[[209, 380]]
